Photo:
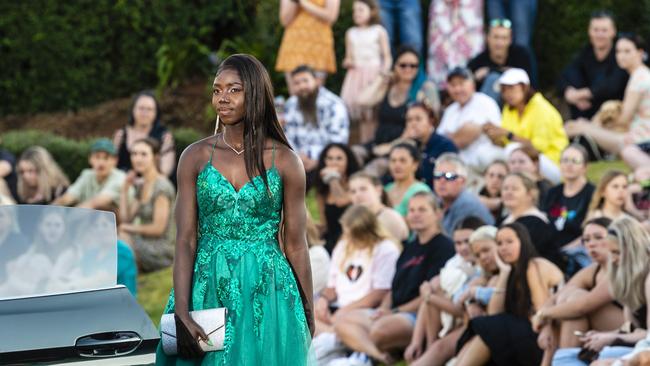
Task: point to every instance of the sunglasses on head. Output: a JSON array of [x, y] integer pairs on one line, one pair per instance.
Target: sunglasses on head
[[448, 176], [404, 65], [505, 23]]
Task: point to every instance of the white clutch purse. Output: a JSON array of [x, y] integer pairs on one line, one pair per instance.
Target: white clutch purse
[[213, 322]]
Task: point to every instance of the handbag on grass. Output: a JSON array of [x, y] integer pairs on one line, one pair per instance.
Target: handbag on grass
[[213, 322]]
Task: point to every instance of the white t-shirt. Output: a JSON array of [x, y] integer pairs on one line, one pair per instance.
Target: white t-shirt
[[362, 271], [480, 109]]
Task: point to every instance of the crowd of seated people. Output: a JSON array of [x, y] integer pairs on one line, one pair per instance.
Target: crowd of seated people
[[454, 217]]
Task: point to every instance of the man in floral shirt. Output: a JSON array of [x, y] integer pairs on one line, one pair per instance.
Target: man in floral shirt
[[314, 117]]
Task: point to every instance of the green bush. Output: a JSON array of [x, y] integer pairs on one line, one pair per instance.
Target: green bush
[[72, 155], [61, 55]]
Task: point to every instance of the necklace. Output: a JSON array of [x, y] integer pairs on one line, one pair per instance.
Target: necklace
[[231, 148]]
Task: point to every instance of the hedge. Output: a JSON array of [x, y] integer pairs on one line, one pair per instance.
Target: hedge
[[63, 55], [72, 155]]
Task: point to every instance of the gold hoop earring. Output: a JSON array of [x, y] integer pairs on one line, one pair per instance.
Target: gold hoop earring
[[216, 125]]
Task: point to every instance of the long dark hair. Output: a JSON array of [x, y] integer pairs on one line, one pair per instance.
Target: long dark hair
[[260, 118], [352, 166], [518, 297]]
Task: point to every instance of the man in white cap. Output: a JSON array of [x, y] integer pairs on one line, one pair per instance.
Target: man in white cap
[[528, 118]]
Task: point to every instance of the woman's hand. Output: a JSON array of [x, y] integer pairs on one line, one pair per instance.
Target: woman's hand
[[598, 340], [538, 321], [504, 268], [188, 336], [425, 289], [481, 73], [546, 340], [322, 310], [130, 180], [413, 352], [380, 312]]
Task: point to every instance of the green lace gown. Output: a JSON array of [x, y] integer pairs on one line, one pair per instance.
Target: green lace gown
[[239, 265]]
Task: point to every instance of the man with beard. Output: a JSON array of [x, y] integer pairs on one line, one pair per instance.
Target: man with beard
[[314, 117]]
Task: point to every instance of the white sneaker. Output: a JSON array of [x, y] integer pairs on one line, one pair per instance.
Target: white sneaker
[[355, 359]]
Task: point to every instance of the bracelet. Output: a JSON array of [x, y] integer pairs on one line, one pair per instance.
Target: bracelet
[[511, 136], [394, 310], [499, 290]]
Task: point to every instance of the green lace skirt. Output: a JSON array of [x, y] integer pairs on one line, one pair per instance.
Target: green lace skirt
[[266, 322]]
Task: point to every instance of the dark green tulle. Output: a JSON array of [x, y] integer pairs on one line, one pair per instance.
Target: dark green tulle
[[239, 265]]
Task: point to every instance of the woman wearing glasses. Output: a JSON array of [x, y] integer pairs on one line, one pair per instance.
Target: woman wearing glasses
[[393, 92]]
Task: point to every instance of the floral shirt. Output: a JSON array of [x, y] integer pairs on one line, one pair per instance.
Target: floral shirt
[[332, 124]]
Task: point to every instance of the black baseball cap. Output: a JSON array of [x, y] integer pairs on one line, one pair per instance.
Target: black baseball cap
[[460, 71]]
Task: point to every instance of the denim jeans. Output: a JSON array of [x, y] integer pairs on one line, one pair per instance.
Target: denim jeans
[[405, 17], [569, 356], [522, 13]]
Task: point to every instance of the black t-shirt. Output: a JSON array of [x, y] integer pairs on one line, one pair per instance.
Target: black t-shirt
[[567, 213], [419, 263], [12, 177], [543, 236], [517, 57]]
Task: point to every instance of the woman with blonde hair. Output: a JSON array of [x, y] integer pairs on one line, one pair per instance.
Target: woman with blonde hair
[[610, 196], [362, 268], [629, 281], [40, 179]]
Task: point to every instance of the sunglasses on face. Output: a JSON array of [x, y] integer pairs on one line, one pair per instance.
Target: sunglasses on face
[[407, 65], [574, 161], [505, 23], [448, 176]]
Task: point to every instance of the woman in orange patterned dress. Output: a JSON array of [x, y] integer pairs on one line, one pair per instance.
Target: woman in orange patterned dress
[[308, 38]]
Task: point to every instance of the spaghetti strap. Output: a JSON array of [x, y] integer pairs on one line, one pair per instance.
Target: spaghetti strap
[[213, 148]]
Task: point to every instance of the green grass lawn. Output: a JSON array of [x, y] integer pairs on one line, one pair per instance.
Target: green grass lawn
[[153, 288]]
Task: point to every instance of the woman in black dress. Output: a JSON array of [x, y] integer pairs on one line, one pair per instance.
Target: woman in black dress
[[505, 336], [335, 165]]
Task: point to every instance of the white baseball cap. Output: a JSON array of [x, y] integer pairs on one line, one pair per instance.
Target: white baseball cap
[[514, 76]]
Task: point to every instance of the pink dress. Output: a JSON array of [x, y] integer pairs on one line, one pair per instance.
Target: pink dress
[[366, 55], [455, 36]]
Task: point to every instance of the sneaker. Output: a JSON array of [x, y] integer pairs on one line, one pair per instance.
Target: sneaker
[[355, 359]]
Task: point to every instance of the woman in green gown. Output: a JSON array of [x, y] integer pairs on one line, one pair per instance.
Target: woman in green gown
[[239, 192]]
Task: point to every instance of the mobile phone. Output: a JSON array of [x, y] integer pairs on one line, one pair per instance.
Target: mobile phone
[[579, 333]]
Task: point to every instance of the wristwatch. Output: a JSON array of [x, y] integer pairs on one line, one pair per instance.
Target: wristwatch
[[510, 136]]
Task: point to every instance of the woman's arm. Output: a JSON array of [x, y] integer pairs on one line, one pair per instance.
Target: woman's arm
[[580, 306], [161, 212], [328, 14], [186, 222], [445, 304], [631, 102], [497, 302], [167, 155], [127, 209], [293, 227], [288, 11]]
